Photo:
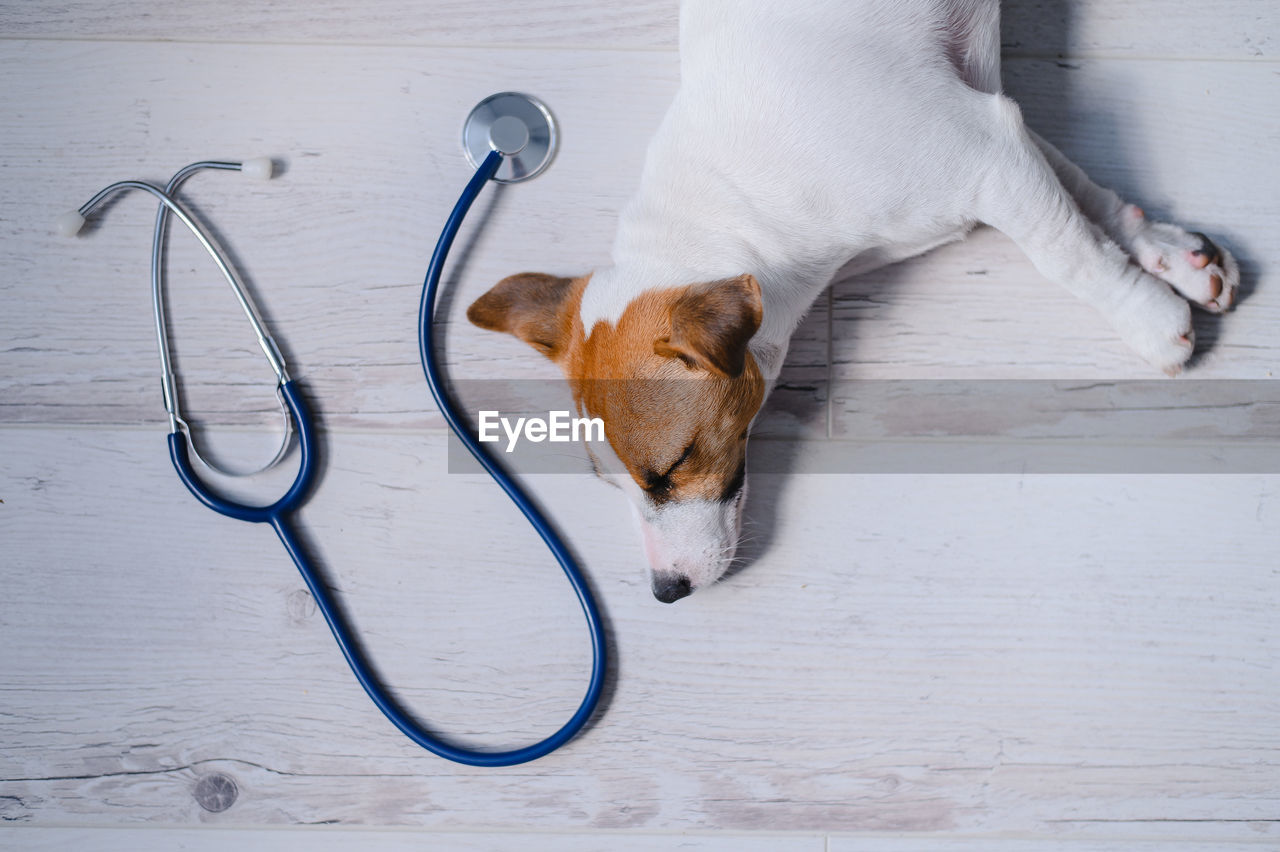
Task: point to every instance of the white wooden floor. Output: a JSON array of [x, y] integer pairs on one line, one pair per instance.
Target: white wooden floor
[[910, 662]]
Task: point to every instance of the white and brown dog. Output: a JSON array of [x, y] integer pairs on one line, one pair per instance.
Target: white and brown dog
[[806, 136]]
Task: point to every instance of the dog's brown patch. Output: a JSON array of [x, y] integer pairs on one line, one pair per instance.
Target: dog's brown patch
[[532, 306], [711, 324], [672, 380]]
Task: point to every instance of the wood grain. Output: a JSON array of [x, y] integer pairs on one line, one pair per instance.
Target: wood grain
[[906, 662], [335, 839], [334, 247], [1177, 29], [980, 654], [326, 838]]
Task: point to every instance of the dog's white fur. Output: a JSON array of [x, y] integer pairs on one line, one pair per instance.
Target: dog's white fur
[[809, 134], [814, 133]]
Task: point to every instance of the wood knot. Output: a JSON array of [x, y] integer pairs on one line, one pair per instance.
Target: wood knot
[[301, 605], [216, 792]]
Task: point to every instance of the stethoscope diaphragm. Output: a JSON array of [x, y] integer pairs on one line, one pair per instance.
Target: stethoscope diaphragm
[[518, 126]]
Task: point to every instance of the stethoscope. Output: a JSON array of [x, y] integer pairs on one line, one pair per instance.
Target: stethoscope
[[509, 137]]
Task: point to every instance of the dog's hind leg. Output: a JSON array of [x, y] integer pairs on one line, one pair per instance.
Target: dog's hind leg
[[1021, 195], [1195, 266]]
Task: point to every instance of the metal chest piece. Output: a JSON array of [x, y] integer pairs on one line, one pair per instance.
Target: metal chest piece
[[518, 125]]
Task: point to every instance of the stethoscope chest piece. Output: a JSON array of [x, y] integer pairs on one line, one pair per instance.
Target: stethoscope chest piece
[[519, 126]]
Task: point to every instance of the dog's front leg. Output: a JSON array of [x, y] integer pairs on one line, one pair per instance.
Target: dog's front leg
[[1022, 196], [1190, 261]]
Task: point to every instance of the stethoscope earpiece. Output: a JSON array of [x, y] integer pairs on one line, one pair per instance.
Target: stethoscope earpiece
[[69, 223], [258, 168]]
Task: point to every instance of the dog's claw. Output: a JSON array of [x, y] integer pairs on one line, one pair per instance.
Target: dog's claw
[[1207, 249]]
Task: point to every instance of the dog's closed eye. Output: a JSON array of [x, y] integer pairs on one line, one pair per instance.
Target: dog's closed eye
[[684, 456], [659, 484]]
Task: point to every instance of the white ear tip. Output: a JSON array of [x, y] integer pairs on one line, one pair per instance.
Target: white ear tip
[[259, 168], [70, 223]]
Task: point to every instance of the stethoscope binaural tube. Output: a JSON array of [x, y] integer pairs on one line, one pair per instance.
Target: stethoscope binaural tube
[[71, 223]]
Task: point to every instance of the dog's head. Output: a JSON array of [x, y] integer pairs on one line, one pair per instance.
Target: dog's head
[[677, 389]]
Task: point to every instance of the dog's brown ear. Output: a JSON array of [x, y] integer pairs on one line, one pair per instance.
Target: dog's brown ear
[[712, 323], [532, 306]]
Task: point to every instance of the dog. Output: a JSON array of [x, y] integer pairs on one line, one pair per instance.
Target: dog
[[807, 137]]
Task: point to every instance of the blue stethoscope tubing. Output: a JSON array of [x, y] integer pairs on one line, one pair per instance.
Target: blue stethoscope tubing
[[278, 514], [435, 381]]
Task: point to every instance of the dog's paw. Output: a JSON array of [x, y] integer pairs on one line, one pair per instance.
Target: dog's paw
[[1192, 263], [1156, 323]]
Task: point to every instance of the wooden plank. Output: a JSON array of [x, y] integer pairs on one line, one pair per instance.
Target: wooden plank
[[335, 260], [324, 839], [549, 23], [1237, 29], [334, 839], [954, 655], [1139, 28], [841, 843]]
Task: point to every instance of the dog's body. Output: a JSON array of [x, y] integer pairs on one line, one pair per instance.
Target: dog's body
[[806, 136]]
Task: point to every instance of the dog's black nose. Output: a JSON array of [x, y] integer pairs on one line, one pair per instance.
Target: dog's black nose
[[671, 588]]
